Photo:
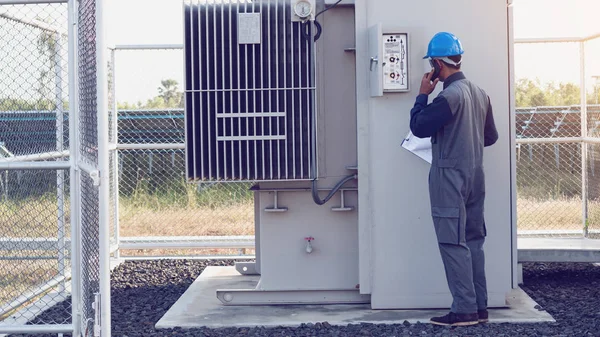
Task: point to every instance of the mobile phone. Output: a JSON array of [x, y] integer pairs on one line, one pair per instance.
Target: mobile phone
[[436, 70]]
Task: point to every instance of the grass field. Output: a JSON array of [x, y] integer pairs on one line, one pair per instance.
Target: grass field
[[225, 212], [565, 214], [236, 219], [38, 218]]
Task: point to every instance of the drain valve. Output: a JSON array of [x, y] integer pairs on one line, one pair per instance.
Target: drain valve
[[309, 247]]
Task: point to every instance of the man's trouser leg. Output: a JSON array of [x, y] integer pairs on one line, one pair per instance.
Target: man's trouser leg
[[449, 218], [479, 280], [475, 235]]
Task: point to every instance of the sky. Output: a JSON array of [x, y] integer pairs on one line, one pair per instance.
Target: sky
[[160, 22], [556, 18]]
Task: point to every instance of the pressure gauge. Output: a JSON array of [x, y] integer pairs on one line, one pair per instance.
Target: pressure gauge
[[303, 9]]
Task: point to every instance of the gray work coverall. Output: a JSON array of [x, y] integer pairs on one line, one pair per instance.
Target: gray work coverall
[[460, 124]]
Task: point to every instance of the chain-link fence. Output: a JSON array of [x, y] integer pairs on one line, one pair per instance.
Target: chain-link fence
[[159, 209], [33, 82], [160, 212], [556, 156], [549, 174], [157, 205], [35, 263], [549, 188], [113, 160], [51, 243]]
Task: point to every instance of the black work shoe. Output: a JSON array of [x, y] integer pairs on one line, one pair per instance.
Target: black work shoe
[[454, 319], [483, 316]]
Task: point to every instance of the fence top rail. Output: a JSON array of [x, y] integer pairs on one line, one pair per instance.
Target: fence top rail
[[573, 106], [564, 39], [593, 37], [567, 108], [533, 111], [574, 109], [34, 23], [147, 47], [150, 110], [30, 112]]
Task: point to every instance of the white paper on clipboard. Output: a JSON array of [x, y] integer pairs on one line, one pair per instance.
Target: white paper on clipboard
[[418, 146]]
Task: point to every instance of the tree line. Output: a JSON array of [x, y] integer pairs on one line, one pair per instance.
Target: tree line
[[532, 93], [528, 93], [168, 96]]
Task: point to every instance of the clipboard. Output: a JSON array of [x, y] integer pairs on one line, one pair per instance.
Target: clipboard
[[420, 147]]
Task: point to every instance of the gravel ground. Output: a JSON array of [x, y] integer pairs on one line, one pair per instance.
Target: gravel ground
[[143, 291]]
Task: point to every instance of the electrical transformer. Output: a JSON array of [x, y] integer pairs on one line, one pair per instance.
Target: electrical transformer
[[310, 100]]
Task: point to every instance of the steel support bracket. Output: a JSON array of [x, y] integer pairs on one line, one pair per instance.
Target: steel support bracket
[[246, 268], [275, 208], [342, 207]]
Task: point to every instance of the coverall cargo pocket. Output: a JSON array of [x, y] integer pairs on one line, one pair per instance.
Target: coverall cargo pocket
[[446, 223]]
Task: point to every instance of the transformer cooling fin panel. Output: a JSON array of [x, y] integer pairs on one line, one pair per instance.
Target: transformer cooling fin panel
[[249, 92]]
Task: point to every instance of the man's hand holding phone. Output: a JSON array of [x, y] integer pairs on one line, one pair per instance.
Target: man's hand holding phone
[[427, 86]]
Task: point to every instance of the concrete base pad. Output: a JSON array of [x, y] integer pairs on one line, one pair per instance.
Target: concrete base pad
[[199, 307], [559, 250]]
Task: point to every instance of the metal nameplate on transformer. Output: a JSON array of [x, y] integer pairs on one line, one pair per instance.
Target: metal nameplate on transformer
[[249, 28]]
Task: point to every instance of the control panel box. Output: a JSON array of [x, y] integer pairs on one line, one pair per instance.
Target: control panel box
[[389, 65], [395, 62]]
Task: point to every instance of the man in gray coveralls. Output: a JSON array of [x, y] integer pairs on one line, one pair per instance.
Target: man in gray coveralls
[[460, 123]]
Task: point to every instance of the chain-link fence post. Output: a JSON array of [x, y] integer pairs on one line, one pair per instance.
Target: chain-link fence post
[[592, 71], [104, 207], [584, 152], [95, 166], [114, 154], [35, 129], [75, 173]]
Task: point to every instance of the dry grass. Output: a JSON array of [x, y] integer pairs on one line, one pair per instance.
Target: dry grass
[[549, 214], [559, 214], [31, 218], [562, 214], [34, 217], [236, 219], [19, 277], [37, 218]]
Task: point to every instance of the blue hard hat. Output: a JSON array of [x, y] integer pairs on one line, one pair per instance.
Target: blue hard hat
[[444, 44]]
